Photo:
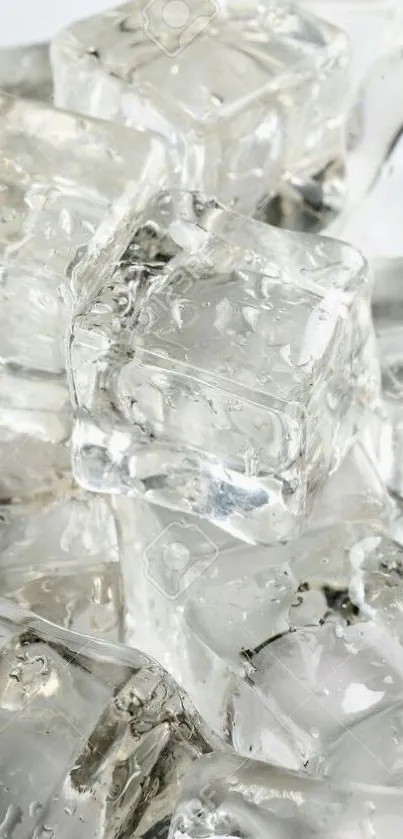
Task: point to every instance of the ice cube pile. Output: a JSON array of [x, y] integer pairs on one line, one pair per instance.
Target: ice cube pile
[[201, 424]]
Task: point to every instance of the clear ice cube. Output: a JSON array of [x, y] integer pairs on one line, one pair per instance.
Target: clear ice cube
[[95, 738], [300, 641], [222, 368], [223, 604], [305, 650], [227, 797], [59, 172], [247, 97]]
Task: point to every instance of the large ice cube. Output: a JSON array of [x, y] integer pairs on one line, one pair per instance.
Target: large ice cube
[[222, 368], [247, 96]]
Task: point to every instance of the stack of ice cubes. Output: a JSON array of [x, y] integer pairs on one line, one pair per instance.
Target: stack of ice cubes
[[201, 424]]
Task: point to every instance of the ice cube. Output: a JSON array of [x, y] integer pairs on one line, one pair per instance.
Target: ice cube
[[311, 631], [59, 172], [247, 97], [353, 202], [227, 797], [221, 603], [222, 368], [95, 738]]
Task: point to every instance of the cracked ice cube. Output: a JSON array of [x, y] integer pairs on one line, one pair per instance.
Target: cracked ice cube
[[247, 97], [222, 368], [304, 641]]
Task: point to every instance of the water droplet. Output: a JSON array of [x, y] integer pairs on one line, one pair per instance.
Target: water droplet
[[35, 808]]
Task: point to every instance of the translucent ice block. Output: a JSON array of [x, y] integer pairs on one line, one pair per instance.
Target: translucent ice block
[[95, 739], [59, 172], [214, 597], [223, 367], [226, 797], [59, 558], [247, 95], [314, 643]]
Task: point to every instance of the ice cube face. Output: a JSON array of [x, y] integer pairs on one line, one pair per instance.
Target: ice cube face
[[247, 97], [222, 368], [225, 796], [59, 558], [58, 175], [95, 738]]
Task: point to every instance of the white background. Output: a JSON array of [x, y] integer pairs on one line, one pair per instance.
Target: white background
[[27, 21]]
